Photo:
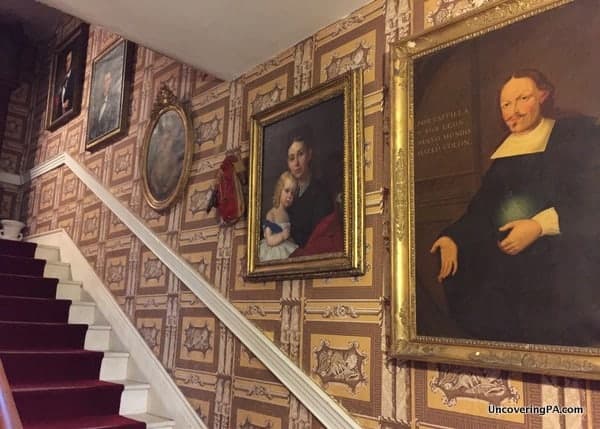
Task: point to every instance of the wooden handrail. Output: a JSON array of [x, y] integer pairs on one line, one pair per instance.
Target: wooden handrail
[[9, 417]]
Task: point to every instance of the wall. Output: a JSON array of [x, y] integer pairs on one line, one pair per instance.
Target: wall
[[14, 146], [220, 378]]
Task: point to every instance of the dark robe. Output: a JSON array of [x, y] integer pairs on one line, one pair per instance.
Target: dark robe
[[308, 210], [548, 293], [109, 120], [68, 86]]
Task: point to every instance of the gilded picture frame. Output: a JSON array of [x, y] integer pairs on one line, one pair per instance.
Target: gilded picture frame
[[310, 146], [110, 89], [66, 78], [167, 151], [454, 117]]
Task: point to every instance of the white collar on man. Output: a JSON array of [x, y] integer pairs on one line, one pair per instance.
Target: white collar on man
[[534, 141]]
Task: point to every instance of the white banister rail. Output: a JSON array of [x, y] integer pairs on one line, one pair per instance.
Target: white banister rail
[[318, 402]]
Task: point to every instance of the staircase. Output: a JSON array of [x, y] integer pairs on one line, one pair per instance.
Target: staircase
[[55, 347]]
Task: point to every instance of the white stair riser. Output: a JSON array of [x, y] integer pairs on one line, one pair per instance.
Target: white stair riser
[[70, 291], [82, 313], [152, 421], [167, 424], [97, 339], [57, 271], [134, 400], [50, 254], [114, 367]]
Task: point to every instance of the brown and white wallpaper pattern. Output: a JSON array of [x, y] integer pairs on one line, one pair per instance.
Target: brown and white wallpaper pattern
[[14, 146], [336, 330]]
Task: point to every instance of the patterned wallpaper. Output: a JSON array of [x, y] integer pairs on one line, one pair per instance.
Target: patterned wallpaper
[[336, 330], [14, 145]]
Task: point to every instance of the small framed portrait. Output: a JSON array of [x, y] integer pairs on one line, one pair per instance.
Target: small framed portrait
[[66, 79], [306, 185], [494, 198], [167, 151], [108, 110]]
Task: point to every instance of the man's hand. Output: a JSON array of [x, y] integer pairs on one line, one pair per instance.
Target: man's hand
[[449, 256], [523, 233]]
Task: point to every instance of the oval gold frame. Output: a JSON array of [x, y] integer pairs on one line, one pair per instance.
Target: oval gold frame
[[166, 102]]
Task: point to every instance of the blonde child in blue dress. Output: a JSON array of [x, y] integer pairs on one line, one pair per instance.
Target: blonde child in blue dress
[[277, 242]]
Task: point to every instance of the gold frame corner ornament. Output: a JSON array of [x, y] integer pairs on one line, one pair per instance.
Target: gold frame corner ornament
[[166, 101], [546, 359], [349, 262]]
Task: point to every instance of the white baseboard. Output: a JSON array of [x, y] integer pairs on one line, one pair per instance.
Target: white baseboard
[[165, 398]]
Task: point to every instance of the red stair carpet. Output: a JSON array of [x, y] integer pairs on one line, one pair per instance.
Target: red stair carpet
[[53, 379]]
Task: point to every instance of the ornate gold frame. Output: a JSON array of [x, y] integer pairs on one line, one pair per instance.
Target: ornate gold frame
[[78, 40], [165, 102], [350, 262], [127, 69], [559, 360]]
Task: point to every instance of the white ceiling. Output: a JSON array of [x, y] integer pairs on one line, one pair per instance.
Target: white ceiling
[[222, 37]]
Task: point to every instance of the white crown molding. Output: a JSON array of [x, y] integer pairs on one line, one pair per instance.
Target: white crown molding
[[166, 398], [318, 402]]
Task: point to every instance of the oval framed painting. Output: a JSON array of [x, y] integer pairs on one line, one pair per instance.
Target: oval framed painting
[[166, 152]]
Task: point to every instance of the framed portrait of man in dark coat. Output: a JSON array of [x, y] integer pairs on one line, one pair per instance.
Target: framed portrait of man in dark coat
[[503, 138], [66, 79], [110, 88]]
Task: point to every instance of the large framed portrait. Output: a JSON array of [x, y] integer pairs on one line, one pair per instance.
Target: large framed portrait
[[167, 151], [66, 79], [110, 88], [306, 185], [495, 172]]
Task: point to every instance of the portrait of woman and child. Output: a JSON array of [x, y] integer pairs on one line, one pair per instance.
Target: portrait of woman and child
[[303, 219], [302, 215]]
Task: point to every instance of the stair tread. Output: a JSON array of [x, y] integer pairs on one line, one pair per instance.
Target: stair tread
[[17, 322], [34, 299], [52, 352], [15, 246], [28, 286], [19, 258], [26, 276], [88, 422], [79, 384], [63, 385], [77, 352], [45, 350]]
